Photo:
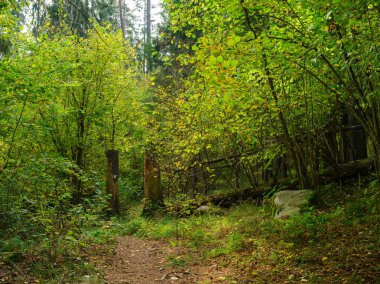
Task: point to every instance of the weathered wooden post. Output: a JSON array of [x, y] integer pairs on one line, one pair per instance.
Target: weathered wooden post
[[152, 184], [112, 179]]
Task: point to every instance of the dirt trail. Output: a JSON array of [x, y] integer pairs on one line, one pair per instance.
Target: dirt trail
[[144, 261]]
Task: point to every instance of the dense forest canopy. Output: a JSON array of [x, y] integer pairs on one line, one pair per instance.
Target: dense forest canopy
[[290, 88], [69, 92], [230, 96]]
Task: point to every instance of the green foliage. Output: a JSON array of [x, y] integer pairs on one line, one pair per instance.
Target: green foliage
[[323, 244], [8, 26], [235, 242], [62, 272], [304, 228], [175, 261], [249, 93], [236, 229], [182, 205], [131, 185], [64, 100], [267, 82], [362, 207], [43, 215], [133, 227]]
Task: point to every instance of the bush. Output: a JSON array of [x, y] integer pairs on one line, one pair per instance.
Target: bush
[[304, 228], [236, 242], [183, 205], [133, 227], [40, 216]]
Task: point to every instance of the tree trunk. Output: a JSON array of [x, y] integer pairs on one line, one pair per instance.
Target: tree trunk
[[354, 139], [152, 180], [122, 17], [112, 179], [148, 37], [78, 151], [291, 143]]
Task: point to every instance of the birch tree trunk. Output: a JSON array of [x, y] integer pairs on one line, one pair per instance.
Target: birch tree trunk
[[122, 17]]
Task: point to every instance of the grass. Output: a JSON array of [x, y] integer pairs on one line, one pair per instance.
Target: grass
[[335, 242], [69, 270], [62, 259], [178, 261]]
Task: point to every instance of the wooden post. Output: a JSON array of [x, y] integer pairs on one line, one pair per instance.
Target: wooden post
[[152, 184], [112, 179]]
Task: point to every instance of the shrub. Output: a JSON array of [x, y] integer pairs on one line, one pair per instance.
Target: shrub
[[183, 205]]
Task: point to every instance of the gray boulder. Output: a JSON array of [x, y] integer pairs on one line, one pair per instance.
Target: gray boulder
[[290, 202], [203, 209]]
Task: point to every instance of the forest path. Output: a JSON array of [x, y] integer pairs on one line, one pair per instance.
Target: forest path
[[138, 261]]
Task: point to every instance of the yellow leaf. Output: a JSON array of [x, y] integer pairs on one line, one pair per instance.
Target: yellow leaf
[[324, 258]]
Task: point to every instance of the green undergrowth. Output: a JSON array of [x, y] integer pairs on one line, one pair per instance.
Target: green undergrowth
[[335, 241], [65, 259], [54, 256], [332, 242]]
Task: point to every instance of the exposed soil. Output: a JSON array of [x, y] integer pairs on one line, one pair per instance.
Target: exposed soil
[[138, 261]]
